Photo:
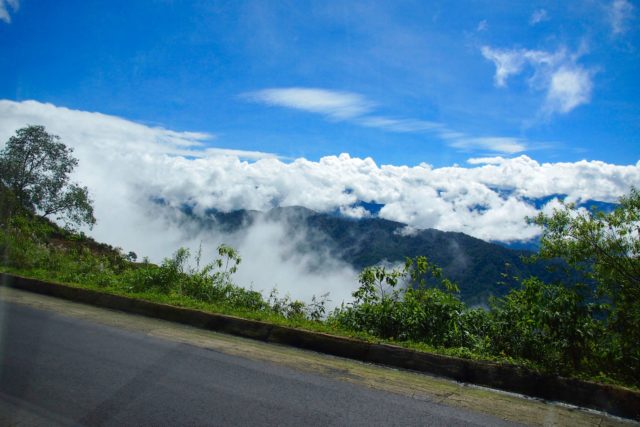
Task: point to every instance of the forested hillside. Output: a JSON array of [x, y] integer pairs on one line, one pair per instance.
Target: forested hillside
[[481, 269]]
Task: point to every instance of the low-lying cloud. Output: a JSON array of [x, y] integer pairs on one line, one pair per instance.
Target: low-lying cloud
[[274, 255], [126, 165]]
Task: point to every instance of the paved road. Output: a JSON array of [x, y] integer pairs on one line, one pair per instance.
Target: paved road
[[62, 366], [72, 371]]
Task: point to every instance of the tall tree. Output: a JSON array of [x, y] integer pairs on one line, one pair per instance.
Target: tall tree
[[35, 166]]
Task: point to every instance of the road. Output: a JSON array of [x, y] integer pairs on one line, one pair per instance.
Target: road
[[67, 364]]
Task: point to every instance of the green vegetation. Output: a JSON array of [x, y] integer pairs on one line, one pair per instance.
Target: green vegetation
[[35, 247], [35, 167], [574, 330], [605, 248]]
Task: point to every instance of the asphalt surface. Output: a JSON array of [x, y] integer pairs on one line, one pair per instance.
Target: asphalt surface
[[65, 363], [58, 370]]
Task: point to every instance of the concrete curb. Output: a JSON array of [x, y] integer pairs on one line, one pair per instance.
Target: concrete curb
[[612, 399]]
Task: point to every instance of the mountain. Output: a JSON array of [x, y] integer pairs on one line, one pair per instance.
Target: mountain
[[480, 268], [527, 245]]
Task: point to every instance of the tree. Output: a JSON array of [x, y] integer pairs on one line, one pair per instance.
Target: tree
[[605, 246], [35, 166]]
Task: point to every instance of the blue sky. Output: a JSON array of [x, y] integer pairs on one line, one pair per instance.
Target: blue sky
[[402, 82]]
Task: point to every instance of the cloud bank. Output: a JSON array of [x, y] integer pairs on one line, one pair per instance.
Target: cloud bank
[[127, 161], [126, 165]]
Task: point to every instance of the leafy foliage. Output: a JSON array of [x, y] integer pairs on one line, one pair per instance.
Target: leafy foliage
[[35, 167], [412, 302], [605, 247], [549, 324]]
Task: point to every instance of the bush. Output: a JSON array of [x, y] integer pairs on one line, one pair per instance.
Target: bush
[[549, 324], [413, 302]]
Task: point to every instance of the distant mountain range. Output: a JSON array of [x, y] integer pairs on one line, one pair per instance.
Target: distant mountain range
[[480, 268]]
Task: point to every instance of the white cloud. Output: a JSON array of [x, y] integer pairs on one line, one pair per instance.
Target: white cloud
[[619, 13], [333, 104], [566, 83], [407, 231], [495, 144], [569, 87], [124, 164], [538, 16], [275, 259], [109, 133], [5, 5], [399, 125], [507, 63], [356, 212], [485, 160], [242, 154], [482, 25]]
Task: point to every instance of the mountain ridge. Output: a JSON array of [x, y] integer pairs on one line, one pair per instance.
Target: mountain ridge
[[481, 269]]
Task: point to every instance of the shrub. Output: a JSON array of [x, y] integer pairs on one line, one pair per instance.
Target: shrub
[[547, 323], [413, 302]]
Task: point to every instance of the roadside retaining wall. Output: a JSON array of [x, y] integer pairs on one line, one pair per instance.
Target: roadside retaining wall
[[612, 399]]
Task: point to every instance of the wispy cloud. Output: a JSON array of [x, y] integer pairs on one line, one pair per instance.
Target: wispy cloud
[[567, 84], [333, 104], [399, 125], [5, 5], [359, 110], [492, 144], [507, 63], [497, 144], [242, 154], [453, 138], [482, 25], [620, 12], [538, 16]]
